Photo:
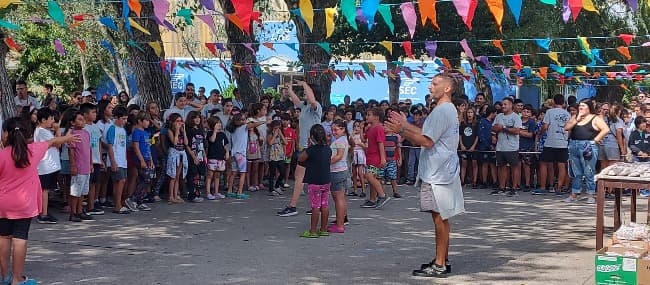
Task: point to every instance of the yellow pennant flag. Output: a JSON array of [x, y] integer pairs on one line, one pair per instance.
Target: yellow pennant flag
[[156, 47], [581, 68], [589, 6], [388, 45], [138, 27], [6, 3], [612, 63], [329, 21], [307, 12], [553, 56]]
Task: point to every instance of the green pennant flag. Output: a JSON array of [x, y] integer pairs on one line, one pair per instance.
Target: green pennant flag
[[135, 45], [349, 11], [326, 47], [384, 11], [186, 14], [56, 13]]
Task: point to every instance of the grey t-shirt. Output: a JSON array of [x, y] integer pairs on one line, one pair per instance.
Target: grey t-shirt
[[556, 136], [610, 138], [507, 141], [439, 165], [308, 117], [29, 102], [207, 108]]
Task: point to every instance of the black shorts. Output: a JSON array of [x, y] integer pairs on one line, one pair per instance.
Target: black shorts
[[94, 176], [507, 158], [49, 181], [486, 157], [16, 228], [467, 155], [528, 158], [555, 155]]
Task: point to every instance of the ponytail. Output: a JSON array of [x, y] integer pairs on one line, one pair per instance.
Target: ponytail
[[17, 137]]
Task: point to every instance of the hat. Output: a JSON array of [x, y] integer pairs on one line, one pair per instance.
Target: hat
[[86, 93]]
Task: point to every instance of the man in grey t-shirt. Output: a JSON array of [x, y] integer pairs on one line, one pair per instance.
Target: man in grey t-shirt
[[555, 147], [311, 113], [507, 125], [22, 98]]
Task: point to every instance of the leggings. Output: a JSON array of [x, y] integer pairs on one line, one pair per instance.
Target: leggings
[[273, 167]]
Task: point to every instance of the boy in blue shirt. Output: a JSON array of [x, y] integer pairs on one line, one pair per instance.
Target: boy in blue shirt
[[486, 147]]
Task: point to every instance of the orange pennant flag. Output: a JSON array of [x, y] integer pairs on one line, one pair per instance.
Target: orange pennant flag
[[625, 51], [81, 44], [75, 24], [269, 46], [496, 8], [235, 20], [610, 74], [428, 12], [499, 44], [542, 72], [446, 62], [135, 6], [624, 87]]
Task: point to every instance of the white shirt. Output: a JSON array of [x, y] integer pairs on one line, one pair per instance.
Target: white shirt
[[439, 164], [95, 133], [51, 162], [116, 136], [240, 140]]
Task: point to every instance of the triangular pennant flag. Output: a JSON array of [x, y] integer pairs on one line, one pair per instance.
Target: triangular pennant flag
[[108, 22], [627, 38], [244, 11], [466, 49], [58, 46], [329, 21], [163, 65], [325, 46], [408, 12], [625, 51], [12, 44], [269, 46], [612, 62], [431, 48], [135, 45], [160, 9], [156, 48], [125, 16], [9, 26], [586, 50], [499, 44], [544, 43], [81, 44], [581, 68], [369, 9], [211, 47], [55, 12], [446, 63], [384, 11], [515, 9], [575, 6], [634, 5], [542, 71], [135, 6], [307, 12], [407, 49], [207, 19], [371, 68], [250, 47], [388, 45], [588, 5], [186, 14], [516, 58], [428, 12], [349, 11], [208, 4], [105, 44], [496, 9], [549, 2], [6, 3], [554, 57], [466, 9], [138, 27], [233, 18]]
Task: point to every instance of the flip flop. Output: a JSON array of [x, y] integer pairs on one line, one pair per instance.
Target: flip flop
[[307, 234], [323, 233]]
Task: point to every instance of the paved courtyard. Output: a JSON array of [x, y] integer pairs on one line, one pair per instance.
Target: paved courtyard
[[499, 240]]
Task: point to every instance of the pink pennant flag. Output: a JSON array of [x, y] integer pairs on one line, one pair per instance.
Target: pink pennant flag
[[466, 49], [646, 44], [408, 12], [58, 46], [506, 72], [160, 9], [466, 9], [250, 47], [207, 19]]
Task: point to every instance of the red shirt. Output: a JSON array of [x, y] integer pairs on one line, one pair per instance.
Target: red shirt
[[375, 135], [291, 136]]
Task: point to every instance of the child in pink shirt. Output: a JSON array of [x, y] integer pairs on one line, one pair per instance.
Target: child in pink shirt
[[80, 166]]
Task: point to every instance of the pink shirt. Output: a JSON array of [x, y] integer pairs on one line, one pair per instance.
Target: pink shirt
[[81, 151], [20, 194], [375, 135]]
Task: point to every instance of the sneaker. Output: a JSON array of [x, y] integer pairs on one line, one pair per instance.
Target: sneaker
[[410, 183], [219, 196], [157, 198], [432, 271], [286, 185], [242, 196], [362, 195], [447, 265], [645, 193], [275, 192], [262, 187], [539, 192], [122, 211], [397, 195], [144, 207], [498, 192], [131, 205], [570, 200], [288, 212], [95, 212], [211, 197], [7, 280], [308, 213], [512, 193], [252, 189], [368, 204], [526, 188], [85, 217], [197, 200], [44, 220], [108, 204], [352, 194], [27, 281], [231, 195], [591, 200], [382, 201], [74, 218]]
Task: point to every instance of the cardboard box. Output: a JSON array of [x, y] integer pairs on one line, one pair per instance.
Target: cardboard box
[[643, 272], [615, 270]]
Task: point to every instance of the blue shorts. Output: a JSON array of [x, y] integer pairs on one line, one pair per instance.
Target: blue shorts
[[389, 172]]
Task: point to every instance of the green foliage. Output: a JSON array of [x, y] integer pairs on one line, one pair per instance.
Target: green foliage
[[228, 91], [273, 92]]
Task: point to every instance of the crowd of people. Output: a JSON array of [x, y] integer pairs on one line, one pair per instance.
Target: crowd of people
[[122, 155]]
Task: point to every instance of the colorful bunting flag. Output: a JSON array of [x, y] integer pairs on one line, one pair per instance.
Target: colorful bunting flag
[[133, 44], [369, 9], [307, 13], [612, 62], [58, 46], [108, 22], [81, 44], [575, 6], [125, 16], [12, 44], [157, 48], [135, 6], [108, 46], [588, 5], [466, 9], [138, 27], [249, 46], [325, 46], [544, 43], [542, 72], [329, 21], [160, 9], [516, 58], [627, 38], [408, 12], [6, 3], [431, 48], [554, 57], [209, 21], [384, 11], [208, 4], [466, 49], [55, 12], [496, 9], [244, 11], [211, 47], [388, 45], [428, 12], [549, 2], [219, 46], [349, 11], [269, 46], [634, 5], [407, 49], [566, 11], [186, 14], [515, 9], [9, 26], [581, 68], [499, 44], [625, 51]]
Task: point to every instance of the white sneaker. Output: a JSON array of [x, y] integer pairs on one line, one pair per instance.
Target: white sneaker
[[211, 197], [570, 200], [133, 207], [286, 185], [591, 200], [252, 188], [220, 196], [197, 200], [144, 207]]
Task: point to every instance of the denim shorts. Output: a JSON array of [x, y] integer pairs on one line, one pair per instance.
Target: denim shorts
[[339, 180]]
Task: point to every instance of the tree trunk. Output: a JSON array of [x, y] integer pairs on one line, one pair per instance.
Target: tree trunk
[[609, 93], [84, 70], [154, 83], [395, 82], [124, 78], [6, 88], [243, 61], [315, 59]]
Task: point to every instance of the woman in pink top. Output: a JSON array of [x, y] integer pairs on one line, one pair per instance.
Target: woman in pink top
[[20, 196]]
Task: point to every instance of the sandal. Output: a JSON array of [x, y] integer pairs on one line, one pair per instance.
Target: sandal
[[323, 233], [8, 279], [307, 234]]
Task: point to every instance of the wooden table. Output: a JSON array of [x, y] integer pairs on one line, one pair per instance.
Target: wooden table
[[617, 185]]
